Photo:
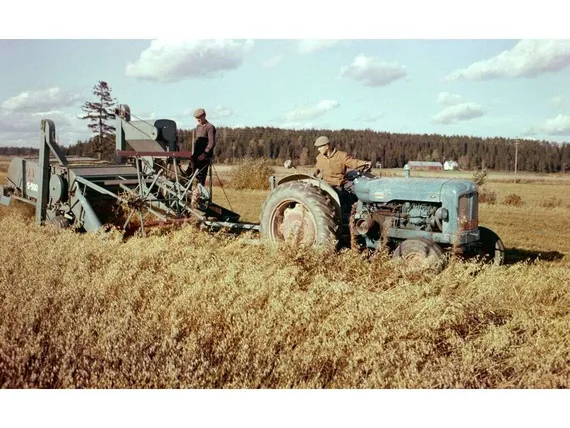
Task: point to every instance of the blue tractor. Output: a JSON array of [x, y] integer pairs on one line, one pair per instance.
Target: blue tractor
[[414, 218]]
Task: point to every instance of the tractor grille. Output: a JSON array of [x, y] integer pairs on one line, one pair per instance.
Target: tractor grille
[[468, 215]]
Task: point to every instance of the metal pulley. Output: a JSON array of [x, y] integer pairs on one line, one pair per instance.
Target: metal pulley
[[58, 188]]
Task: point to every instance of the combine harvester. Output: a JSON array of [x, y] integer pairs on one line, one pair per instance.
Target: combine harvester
[[146, 179]]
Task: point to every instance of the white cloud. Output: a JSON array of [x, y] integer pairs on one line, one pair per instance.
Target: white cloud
[[556, 101], [372, 71], [146, 115], [313, 45], [560, 125], [530, 132], [30, 122], [43, 100], [447, 99], [459, 112], [219, 112], [310, 112], [23, 129], [370, 117], [31, 139], [20, 139], [296, 125], [557, 126], [173, 61], [528, 58], [273, 61]]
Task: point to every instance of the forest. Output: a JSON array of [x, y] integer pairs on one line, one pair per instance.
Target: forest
[[392, 150]]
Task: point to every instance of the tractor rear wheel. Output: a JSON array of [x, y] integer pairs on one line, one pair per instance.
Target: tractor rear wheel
[[421, 254], [300, 212], [492, 249]]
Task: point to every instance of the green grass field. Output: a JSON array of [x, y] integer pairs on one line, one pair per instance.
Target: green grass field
[[187, 309]]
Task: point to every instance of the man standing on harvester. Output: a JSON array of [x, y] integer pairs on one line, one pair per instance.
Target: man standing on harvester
[[203, 146]]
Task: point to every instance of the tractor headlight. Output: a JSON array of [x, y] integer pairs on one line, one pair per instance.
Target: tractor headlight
[[442, 213]]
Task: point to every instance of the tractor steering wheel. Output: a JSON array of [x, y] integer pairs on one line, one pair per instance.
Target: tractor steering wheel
[[359, 171], [363, 168]]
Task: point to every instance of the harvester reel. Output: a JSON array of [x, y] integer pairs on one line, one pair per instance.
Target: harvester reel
[[135, 202]]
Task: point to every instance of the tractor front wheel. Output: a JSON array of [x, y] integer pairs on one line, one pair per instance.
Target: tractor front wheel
[[492, 249], [421, 254]]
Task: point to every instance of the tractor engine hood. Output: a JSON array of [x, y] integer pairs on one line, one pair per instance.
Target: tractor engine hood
[[383, 190]]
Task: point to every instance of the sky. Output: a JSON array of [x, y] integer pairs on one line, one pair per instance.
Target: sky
[[513, 87]]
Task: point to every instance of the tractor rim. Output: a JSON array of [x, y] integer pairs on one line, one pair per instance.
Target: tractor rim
[[291, 220]]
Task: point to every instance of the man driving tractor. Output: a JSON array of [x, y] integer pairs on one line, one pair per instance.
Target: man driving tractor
[[332, 163]]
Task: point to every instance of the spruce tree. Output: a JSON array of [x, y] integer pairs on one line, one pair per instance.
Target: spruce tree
[[99, 113]]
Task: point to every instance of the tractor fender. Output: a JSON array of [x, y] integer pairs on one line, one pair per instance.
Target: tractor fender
[[317, 183]]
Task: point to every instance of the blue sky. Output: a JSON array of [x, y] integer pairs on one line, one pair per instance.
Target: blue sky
[[512, 87]]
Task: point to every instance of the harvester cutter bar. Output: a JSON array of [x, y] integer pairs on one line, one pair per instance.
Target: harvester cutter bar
[[197, 217], [19, 198]]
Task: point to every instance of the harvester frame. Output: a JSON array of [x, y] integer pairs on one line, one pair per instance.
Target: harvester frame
[[147, 179]]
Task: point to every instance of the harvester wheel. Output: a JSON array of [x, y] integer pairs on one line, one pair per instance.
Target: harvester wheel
[[421, 254], [59, 222], [492, 249], [300, 212]]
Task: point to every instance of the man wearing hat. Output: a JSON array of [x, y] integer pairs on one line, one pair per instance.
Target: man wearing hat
[[203, 146], [332, 163]]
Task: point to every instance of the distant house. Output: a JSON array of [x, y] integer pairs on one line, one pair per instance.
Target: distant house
[[427, 166], [450, 165]]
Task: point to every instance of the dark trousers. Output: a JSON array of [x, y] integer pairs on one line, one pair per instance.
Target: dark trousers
[[202, 168], [347, 198]]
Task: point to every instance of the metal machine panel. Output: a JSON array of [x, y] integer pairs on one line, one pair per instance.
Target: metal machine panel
[[146, 146], [25, 175], [390, 188], [142, 136], [4, 199], [104, 171]]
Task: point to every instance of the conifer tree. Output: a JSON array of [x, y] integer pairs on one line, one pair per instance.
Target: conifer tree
[[99, 113]]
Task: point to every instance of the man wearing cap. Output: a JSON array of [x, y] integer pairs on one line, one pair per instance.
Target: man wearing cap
[[203, 146], [332, 163]]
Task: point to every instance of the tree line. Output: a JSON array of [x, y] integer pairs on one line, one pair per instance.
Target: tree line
[[391, 150]]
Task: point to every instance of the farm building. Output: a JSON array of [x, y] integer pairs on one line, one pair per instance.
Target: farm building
[[430, 166], [450, 165]]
